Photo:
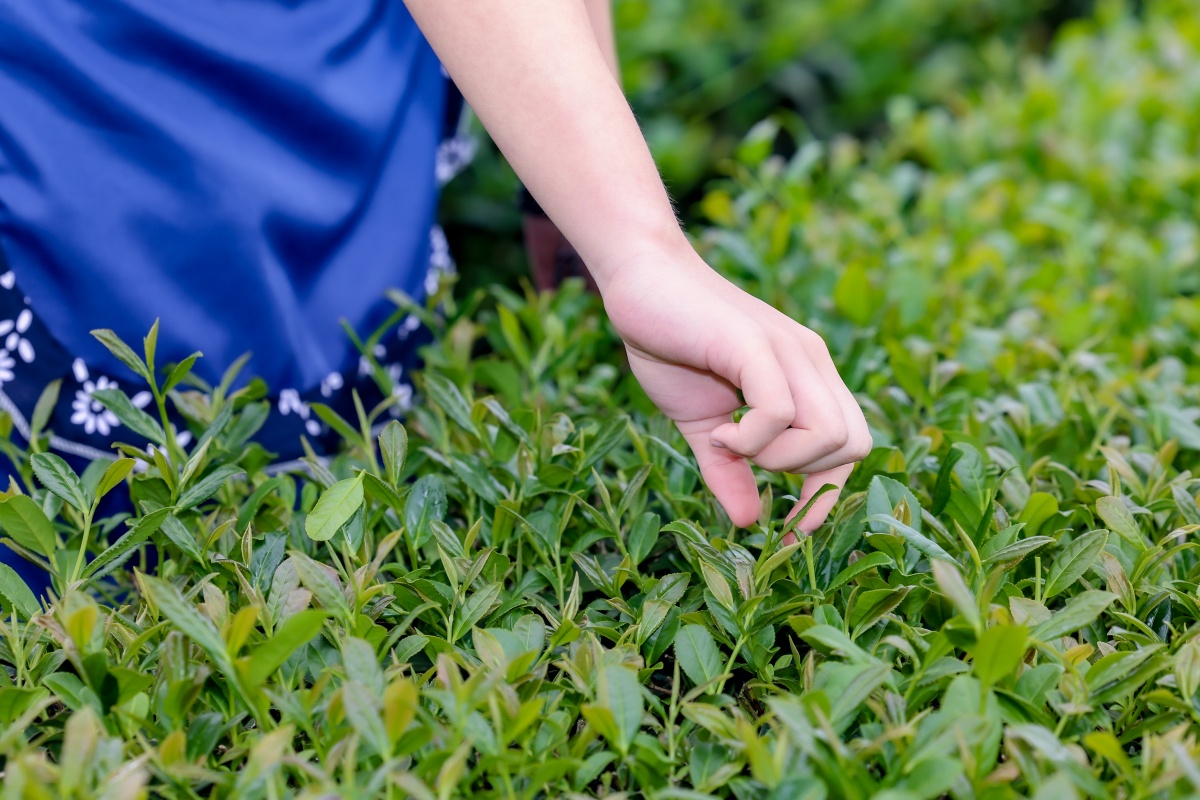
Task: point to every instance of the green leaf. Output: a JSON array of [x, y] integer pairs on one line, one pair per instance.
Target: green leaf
[[337, 504], [335, 421], [952, 585], [187, 619], [181, 371], [1015, 552], [717, 584], [1120, 521], [1080, 611], [852, 571], [115, 555], [393, 445], [207, 486], [322, 582], [697, 654], [362, 707], [474, 608], [856, 683], [620, 692], [112, 477], [446, 396], [643, 536], [130, 415], [297, 631], [925, 546], [426, 502], [123, 352], [1075, 559], [55, 475], [47, 400], [16, 594], [998, 652], [24, 521]]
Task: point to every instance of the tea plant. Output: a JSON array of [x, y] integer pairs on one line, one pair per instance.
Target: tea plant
[[524, 591]]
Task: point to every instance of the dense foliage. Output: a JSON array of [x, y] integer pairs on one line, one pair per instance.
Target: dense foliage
[[524, 591]]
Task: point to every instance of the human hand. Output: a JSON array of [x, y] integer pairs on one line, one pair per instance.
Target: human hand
[[694, 339]]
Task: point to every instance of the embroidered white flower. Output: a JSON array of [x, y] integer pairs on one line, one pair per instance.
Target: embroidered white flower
[[333, 382], [364, 363], [88, 411], [407, 326], [290, 403], [440, 261], [8, 280], [403, 392], [6, 367], [13, 331]]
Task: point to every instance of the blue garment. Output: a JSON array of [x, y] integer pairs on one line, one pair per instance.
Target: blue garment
[[252, 171]]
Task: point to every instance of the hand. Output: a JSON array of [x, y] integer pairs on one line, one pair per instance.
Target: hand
[[694, 339]]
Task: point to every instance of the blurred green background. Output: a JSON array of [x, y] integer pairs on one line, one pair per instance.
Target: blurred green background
[[701, 74]]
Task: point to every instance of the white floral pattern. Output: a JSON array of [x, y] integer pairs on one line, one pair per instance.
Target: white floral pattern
[[290, 403], [89, 412], [14, 331], [364, 364], [440, 261], [6, 367], [333, 381]]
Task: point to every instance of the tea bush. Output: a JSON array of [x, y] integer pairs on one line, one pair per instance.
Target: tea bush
[[524, 591]]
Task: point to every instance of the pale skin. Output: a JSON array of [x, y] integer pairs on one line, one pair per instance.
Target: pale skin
[[540, 75]]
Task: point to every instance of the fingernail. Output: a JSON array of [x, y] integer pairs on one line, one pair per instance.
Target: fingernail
[[721, 445]]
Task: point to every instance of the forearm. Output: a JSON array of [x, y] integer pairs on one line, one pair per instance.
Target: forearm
[[537, 77]]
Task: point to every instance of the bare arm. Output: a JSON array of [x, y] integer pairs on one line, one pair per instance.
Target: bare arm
[[536, 75]]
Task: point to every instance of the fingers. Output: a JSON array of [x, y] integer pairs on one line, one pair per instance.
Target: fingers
[[765, 388], [727, 475], [824, 504]]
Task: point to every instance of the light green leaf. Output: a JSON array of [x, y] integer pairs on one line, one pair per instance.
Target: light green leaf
[[297, 631], [334, 509], [620, 692], [1080, 611], [697, 654], [16, 594], [1075, 559], [55, 475], [187, 619], [26, 523], [998, 652], [207, 486], [115, 555], [130, 415]]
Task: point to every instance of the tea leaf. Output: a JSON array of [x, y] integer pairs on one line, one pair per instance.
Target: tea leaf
[[697, 654], [55, 475], [16, 594], [337, 504], [1076, 559], [130, 415], [26, 523]]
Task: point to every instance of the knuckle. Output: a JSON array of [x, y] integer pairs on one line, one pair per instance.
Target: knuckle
[[780, 412], [860, 446], [835, 438], [813, 341]]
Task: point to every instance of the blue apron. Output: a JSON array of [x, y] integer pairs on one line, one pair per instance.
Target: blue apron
[[257, 173]]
